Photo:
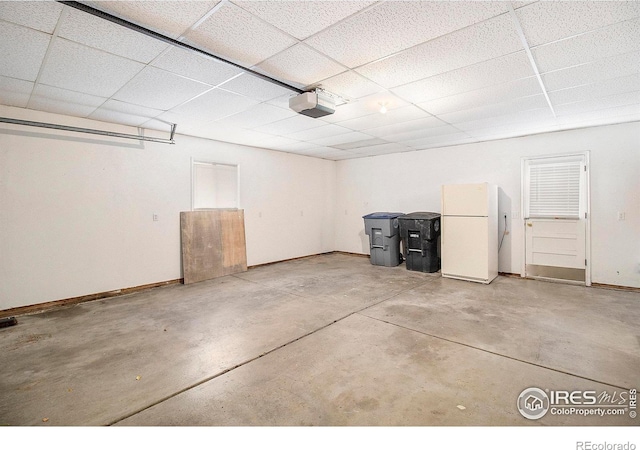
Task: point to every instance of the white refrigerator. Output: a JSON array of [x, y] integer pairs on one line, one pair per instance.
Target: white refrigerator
[[469, 236]]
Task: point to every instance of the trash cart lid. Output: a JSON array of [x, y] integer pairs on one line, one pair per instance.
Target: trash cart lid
[[420, 216], [382, 215]]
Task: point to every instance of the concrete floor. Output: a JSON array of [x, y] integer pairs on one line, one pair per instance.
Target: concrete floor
[[324, 340]]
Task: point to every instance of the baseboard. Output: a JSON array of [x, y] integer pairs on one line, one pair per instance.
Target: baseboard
[[40, 307], [289, 259], [362, 255], [616, 287]]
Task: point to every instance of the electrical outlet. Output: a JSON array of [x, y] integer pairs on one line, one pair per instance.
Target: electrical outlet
[[621, 215], [155, 217]]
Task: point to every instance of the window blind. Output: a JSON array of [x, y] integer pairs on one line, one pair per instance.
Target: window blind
[[554, 189]]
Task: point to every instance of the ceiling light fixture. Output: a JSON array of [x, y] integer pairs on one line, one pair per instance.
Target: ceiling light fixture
[[383, 107]]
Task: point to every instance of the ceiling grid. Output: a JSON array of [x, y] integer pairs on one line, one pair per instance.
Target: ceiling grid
[[447, 72]]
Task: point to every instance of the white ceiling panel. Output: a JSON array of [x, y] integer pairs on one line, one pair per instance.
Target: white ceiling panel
[[437, 141], [365, 37], [484, 74], [41, 16], [350, 85], [22, 50], [628, 98], [61, 95], [604, 88], [215, 104], [79, 68], [487, 40], [237, 35], [254, 87], [325, 131], [256, 116], [171, 18], [196, 66], [364, 106], [353, 145], [486, 96], [602, 69], [393, 116], [290, 125], [545, 21], [599, 117], [602, 43], [14, 92], [406, 127], [382, 149], [308, 65], [301, 19], [497, 109], [158, 89], [447, 72], [534, 117], [412, 136], [346, 138], [62, 101], [95, 32]]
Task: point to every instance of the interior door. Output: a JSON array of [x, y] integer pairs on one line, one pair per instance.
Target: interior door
[[555, 200]]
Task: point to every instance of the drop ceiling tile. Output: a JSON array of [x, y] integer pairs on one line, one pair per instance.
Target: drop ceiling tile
[[172, 19], [290, 125], [62, 95], [393, 26], [128, 108], [257, 116], [345, 138], [41, 16], [544, 22], [366, 143], [496, 110], [409, 136], [350, 85], [301, 64], [235, 34], [300, 147], [604, 88], [382, 149], [196, 66], [25, 48], [435, 141], [602, 43], [490, 39], [158, 89], [485, 96], [520, 4], [87, 29], [111, 116], [303, 18], [340, 156], [254, 87], [79, 68], [612, 101], [63, 101], [393, 116], [539, 117], [214, 105], [14, 92], [484, 74], [602, 69], [282, 101], [513, 130], [157, 124], [617, 114], [406, 127], [364, 106], [325, 131]]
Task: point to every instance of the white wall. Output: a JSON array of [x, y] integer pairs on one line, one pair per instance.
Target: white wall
[[409, 182], [76, 210]]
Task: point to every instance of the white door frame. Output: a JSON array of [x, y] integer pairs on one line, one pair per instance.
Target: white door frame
[[585, 155]]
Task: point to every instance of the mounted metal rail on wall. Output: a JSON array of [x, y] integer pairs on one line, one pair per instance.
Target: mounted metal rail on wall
[[55, 126]]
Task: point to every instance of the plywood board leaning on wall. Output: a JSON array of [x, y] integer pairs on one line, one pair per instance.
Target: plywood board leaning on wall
[[213, 244]]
